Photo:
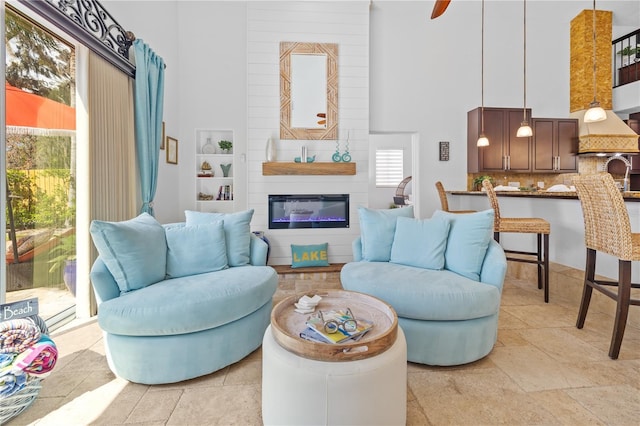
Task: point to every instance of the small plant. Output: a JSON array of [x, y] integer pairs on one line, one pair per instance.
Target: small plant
[[225, 145], [477, 182], [627, 52]]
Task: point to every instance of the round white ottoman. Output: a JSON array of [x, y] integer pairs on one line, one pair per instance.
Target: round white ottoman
[[302, 391]]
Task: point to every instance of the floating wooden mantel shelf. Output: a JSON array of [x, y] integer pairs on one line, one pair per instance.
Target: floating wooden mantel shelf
[[291, 168]]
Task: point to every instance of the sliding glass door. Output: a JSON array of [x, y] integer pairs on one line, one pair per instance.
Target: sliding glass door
[[40, 167]]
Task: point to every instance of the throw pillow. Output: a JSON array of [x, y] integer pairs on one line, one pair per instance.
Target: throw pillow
[[237, 232], [309, 255], [420, 243], [377, 228], [134, 251], [195, 249], [469, 237]]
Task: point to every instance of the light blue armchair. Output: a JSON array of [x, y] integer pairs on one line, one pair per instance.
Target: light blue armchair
[[450, 314]]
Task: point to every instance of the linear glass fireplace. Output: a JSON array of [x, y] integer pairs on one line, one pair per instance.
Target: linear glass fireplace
[[309, 211]]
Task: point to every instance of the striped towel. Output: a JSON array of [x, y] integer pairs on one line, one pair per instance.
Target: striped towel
[[17, 335], [39, 359], [12, 383]]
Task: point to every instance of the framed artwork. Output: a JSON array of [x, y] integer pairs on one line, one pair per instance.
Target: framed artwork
[[172, 150], [163, 137]]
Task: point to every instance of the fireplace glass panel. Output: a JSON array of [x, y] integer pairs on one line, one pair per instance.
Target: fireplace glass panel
[[309, 211]]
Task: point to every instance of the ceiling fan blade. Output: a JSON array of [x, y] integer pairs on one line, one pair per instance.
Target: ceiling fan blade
[[439, 8]]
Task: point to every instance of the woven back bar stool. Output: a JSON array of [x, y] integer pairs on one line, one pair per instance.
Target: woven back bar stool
[[607, 229], [523, 225], [445, 203]]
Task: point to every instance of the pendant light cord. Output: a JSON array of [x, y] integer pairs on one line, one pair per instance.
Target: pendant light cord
[[594, 49], [524, 44], [482, 72]]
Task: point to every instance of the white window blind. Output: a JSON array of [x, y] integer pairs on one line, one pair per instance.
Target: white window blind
[[389, 171]]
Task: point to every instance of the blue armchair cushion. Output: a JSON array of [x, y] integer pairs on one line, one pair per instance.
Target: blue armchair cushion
[[469, 237], [237, 232], [420, 243], [134, 251], [195, 249], [309, 255], [377, 228]]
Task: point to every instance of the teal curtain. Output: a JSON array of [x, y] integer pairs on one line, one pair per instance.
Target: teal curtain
[[148, 103]]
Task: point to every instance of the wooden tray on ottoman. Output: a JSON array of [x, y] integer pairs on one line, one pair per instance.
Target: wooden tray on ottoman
[[286, 325]]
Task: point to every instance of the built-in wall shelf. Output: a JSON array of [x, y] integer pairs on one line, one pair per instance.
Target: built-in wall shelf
[[291, 168]]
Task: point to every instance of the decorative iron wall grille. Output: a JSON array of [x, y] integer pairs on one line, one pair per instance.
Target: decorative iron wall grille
[[90, 23]]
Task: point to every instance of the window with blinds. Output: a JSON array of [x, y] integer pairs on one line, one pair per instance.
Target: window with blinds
[[389, 170]]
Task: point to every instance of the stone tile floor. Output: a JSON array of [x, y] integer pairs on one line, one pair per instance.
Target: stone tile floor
[[542, 371]]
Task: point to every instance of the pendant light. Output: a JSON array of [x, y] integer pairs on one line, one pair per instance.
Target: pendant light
[[524, 131], [595, 112], [482, 140]]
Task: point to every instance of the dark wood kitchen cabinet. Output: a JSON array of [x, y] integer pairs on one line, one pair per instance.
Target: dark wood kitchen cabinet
[[555, 145], [505, 152]]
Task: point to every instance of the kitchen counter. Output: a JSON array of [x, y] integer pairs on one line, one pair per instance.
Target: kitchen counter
[[627, 195]]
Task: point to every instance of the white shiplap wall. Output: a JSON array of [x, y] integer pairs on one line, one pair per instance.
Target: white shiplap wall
[[347, 24]]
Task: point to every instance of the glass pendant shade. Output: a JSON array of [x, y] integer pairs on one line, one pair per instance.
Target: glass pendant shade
[[524, 131], [595, 113], [483, 140]]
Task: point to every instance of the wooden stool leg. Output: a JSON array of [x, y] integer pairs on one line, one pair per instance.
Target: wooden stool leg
[[622, 307], [546, 268], [539, 255], [589, 274]]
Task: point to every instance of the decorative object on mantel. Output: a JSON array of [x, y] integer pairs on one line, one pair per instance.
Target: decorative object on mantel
[[225, 146], [336, 155], [309, 160], [271, 153], [225, 169], [346, 157]]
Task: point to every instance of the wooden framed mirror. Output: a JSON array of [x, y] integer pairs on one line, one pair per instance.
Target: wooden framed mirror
[[308, 91]]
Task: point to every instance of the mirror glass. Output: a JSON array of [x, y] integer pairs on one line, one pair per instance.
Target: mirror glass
[[308, 90]]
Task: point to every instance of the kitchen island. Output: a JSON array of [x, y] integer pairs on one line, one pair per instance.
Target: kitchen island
[[564, 213]]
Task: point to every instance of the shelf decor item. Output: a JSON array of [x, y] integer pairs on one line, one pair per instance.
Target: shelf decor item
[[225, 169], [271, 153], [225, 146], [208, 147], [206, 170]]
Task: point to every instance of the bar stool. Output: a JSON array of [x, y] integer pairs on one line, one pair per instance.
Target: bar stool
[[445, 203], [523, 225], [607, 229]]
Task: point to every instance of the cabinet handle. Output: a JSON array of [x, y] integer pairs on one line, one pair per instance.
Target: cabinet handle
[[508, 162]]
